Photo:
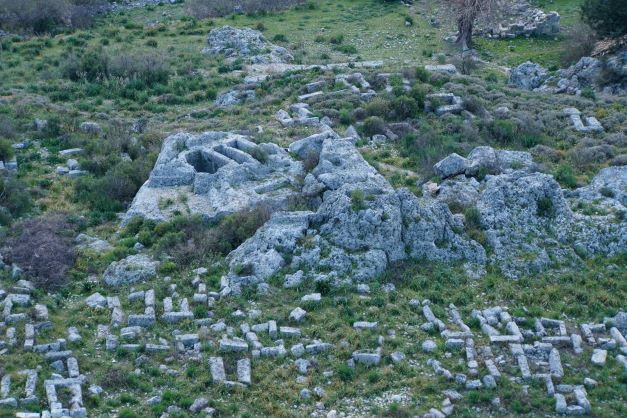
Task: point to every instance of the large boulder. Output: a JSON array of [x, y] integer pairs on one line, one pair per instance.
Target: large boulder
[[452, 165], [132, 269], [528, 76], [245, 43]]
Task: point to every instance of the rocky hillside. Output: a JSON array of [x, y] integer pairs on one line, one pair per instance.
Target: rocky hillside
[[318, 210]]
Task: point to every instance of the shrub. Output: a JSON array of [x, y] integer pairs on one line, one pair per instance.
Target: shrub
[[474, 105], [202, 9], [96, 64], [345, 373], [378, 107], [405, 107], [189, 240], [358, 200], [564, 175], [42, 16], [345, 49], [473, 218], [503, 131], [311, 160], [422, 74], [6, 150], [7, 128], [606, 17], [419, 94], [545, 207], [44, 248], [118, 186], [15, 199], [579, 43], [374, 125]]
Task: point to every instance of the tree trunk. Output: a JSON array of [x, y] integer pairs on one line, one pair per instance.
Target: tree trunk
[[464, 38]]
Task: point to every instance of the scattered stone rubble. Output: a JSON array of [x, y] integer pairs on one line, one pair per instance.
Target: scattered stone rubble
[[585, 73], [521, 19], [517, 348]]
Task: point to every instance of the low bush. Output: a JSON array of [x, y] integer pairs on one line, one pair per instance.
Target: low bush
[[579, 43], [422, 74], [44, 248], [565, 175], [378, 107], [405, 107], [45, 16], [95, 64], [15, 199], [6, 150], [202, 9], [115, 189], [373, 125]]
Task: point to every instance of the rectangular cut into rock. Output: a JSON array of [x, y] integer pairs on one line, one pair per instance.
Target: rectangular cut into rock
[[426, 311], [72, 367], [233, 345], [555, 364], [577, 342], [587, 334], [289, 332], [272, 329], [558, 341], [218, 173], [365, 325], [550, 388], [276, 352], [216, 367], [506, 338], [599, 357], [367, 358], [582, 400], [492, 369], [188, 340], [244, 371], [144, 321], [523, 365], [156, 348], [618, 337]]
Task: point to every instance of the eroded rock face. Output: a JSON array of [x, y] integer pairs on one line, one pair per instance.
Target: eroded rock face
[[360, 226], [245, 43], [525, 218], [529, 222], [357, 224], [215, 174]]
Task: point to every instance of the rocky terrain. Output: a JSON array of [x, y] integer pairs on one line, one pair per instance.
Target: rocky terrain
[[217, 217]]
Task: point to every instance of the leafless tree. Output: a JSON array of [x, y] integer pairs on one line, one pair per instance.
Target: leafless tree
[[466, 13]]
